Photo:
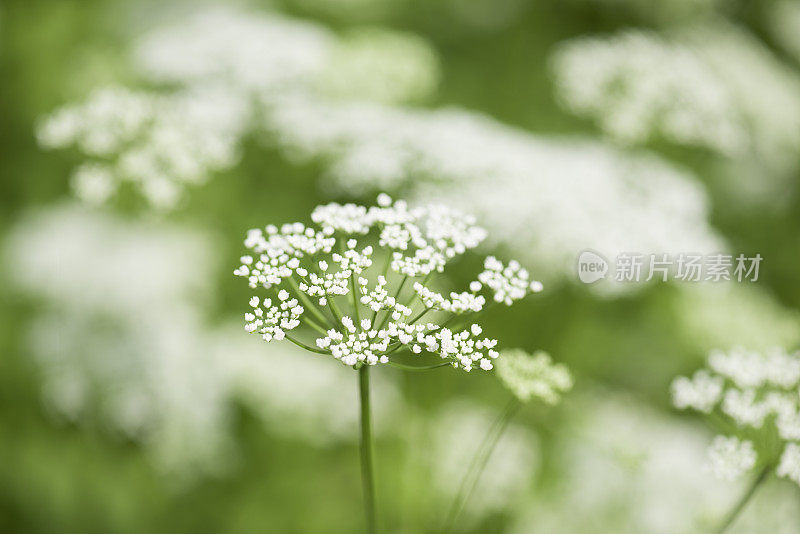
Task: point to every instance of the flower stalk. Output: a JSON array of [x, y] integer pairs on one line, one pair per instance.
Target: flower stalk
[[743, 500], [367, 475], [479, 462]]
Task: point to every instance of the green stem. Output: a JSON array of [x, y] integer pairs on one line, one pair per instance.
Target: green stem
[[743, 500], [396, 296], [479, 461], [355, 300], [310, 322], [385, 270], [418, 368], [335, 311], [309, 304], [419, 316], [306, 347], [367, 477]]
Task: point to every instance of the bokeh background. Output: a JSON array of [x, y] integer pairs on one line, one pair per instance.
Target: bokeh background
[[133, 401]]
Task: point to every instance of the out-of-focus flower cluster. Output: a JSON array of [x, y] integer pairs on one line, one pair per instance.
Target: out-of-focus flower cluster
[[308, 88], [124, 344], [685, 88], [628, 467], [550, 197], [533, 376], [216, 75], [759, 395], [332, 261], [159, 143]]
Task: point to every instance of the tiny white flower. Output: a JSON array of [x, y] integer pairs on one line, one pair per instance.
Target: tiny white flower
[[729, 458]]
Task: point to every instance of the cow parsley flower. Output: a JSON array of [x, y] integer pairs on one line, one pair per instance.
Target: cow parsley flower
[[210, 79], [546, 197], [377, 263], [158, 143], [757, 394], [683, 87], [789, 466], [730, 457], [533, 376]]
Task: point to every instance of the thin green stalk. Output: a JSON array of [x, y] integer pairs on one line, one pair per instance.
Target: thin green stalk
[[418, 368], [306, 347], [367, 476], [419, 316], [385, 270], [310, 306], [743, 500], [310, 322], [396, 296], [335, 311], [355, 300], [478, 463]]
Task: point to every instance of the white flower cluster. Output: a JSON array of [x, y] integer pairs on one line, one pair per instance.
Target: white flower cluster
[[729, 457], [790, 463], [265, 54], [276, 320], [224, 69], [252, 51], [417, 242], [628, 466], [533, 376], [758, 392], [463, 302], [546, 197], [159, 143], [138, 358], [378, 298], [508, 283], [684, 87]]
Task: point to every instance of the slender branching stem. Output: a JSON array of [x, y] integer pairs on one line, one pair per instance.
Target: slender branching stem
[[743, 500], [418, 367], [355, 300], [306, 347], [478, 463], [309, 304], [335, 311], [367, 476], [383, 272], [313, 324], [396, 296], [419, 316]]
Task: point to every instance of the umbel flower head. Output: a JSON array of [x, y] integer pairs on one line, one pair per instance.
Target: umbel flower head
[[533, 376], [757, 397], [362, 279]]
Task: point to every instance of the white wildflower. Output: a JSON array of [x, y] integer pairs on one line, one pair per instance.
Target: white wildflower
[[729, 458], [789, 466], [749, 369], [514, 181], [683, 87], [325, 263], [757, 392], [702, 392], [533, 376]]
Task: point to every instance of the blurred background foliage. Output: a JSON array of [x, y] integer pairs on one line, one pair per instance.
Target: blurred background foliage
[[495, 56]]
